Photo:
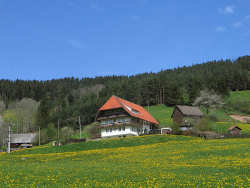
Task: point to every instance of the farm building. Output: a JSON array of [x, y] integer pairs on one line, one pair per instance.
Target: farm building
[[182, 115], [234, 130], [119, 117], [22, 140]]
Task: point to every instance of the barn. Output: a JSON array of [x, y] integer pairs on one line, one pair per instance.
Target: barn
[[182, 114]]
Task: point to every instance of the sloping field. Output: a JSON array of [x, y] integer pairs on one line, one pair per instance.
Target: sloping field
[[162, 114], [240, 95], [176, 162]]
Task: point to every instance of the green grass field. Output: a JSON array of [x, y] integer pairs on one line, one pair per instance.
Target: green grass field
[[175, 161], [102, 144]]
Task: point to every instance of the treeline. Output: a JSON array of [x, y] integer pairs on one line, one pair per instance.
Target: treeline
[[64, 100]]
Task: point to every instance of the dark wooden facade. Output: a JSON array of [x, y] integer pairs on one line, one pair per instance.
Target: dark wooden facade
[[177, 116], [113, 113], [182, 113]]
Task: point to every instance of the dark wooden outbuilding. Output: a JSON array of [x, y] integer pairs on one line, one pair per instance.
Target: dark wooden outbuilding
[[234, 130], [181, 112]]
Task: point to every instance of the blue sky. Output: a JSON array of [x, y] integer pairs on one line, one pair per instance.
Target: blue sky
[[45, 39]]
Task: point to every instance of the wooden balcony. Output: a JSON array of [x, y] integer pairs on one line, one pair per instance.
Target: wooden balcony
[[116, 124], [112, 116]]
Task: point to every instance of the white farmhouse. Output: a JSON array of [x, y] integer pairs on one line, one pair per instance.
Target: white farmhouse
[[118, 117]]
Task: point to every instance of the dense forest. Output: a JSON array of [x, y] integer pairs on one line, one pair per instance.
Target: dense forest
[[65, 99]]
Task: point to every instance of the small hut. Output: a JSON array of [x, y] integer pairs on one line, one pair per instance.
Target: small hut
[[234, 130], [22, 140]]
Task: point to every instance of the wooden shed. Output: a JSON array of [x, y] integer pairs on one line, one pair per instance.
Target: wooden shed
[[234, 130], [181, 112], [22, 140]]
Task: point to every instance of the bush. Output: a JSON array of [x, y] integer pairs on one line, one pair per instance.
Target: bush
[[43, 137], [188, 133], [51, 132], [65, 134], [94, 131], [213, 117], [176, 129], [204, 124], [3, 148]]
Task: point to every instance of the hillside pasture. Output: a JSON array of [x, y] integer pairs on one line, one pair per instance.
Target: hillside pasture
[[162, 114], [240, 96], [238, 103]]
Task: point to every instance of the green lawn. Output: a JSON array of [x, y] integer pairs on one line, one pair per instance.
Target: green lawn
[[176, 162]]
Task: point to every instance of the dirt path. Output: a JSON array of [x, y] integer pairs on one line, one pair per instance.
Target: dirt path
[[240, 118]]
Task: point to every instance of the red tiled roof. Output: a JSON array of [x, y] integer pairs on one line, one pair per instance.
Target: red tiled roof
[[133, 109]]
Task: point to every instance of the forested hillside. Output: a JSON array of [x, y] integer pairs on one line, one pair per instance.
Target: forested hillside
[[65, 99]]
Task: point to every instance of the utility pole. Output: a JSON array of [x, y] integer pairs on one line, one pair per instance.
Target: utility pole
[[39, 137], [80, 127], [9, 140], [163, 95], [160, 100], [148, 106], [58, 127]]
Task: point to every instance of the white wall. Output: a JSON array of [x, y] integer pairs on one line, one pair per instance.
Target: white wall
[[185, 128], [128, 131]]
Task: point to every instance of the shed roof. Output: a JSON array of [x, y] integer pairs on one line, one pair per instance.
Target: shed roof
[[133, 109], [189, 110], [234, 127], [22, 138]]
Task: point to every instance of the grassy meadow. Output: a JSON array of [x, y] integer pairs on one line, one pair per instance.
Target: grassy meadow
[[169, 161]]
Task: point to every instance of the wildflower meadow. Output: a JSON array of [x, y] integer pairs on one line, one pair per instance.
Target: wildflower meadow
[[174, 162]]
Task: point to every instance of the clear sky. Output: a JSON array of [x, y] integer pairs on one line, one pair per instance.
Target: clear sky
[[45, 39]]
